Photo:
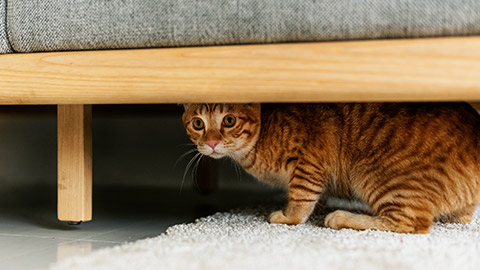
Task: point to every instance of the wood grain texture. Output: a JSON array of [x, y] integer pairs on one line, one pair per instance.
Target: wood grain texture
[[431, 69], [74, 162]]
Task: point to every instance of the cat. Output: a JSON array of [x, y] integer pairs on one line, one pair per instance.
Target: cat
[[412, 163]]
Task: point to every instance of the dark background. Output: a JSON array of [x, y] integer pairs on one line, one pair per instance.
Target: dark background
[[133, 145]]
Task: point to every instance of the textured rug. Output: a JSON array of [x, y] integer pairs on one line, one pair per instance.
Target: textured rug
[[242, 239]]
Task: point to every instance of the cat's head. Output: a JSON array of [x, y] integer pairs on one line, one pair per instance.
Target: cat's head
[[221, 130]]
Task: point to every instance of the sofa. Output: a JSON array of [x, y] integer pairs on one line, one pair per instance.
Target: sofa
[[77, 53]]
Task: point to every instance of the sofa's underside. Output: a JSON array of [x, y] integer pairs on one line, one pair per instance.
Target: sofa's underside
[[55, 25], [434, 69]]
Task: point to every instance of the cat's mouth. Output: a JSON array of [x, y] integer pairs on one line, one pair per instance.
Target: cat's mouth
[[214, 154]]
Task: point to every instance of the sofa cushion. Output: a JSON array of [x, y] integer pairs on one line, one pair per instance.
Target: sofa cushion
[[4, 46], [52, 25]]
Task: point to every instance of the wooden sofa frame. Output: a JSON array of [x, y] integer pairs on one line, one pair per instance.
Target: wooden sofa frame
[[432, 69]]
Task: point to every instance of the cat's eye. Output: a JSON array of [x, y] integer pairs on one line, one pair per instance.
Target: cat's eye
[[229, 121], [198, 123]]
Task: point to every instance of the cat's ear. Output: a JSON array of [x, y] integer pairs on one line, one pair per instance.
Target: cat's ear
[[186, 106]]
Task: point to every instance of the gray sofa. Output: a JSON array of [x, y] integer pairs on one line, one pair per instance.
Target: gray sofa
[[57, 25]]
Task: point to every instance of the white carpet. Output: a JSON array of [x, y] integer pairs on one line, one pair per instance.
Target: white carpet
[[242, 239]]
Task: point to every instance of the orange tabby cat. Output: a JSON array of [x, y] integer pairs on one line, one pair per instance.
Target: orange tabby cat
[[411, 163]]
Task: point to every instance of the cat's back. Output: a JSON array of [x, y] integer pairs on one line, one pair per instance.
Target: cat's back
[[355, 119], [374, 125], [401, 141], [401, 112]]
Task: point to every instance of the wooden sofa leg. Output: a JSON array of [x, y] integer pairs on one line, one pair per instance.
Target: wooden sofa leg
[[74, 163]]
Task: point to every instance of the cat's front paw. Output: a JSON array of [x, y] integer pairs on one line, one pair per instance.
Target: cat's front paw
[[280, 218], [337, 220], [277, 217]]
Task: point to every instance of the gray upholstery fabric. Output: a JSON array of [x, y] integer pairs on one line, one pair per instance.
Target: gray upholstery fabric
[[4, 46], [50, 25]]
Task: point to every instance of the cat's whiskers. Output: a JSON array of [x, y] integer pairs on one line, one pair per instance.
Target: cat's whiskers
[[194, 158], [238, 169], [184, 155], [194, 171], [186, 144], [236, 166]]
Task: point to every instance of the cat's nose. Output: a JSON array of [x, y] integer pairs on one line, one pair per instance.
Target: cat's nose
[[212, 144]]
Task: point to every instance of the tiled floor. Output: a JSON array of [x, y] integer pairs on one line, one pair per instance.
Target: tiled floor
[[32, 238]]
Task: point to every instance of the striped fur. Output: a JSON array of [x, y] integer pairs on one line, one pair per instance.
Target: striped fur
[[411, 162]]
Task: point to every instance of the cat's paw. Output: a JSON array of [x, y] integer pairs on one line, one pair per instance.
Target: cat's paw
[[277, 217], [280, 218], [337, 220]]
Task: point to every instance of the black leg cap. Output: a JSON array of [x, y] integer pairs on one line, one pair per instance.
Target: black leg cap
[[74, 223]]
